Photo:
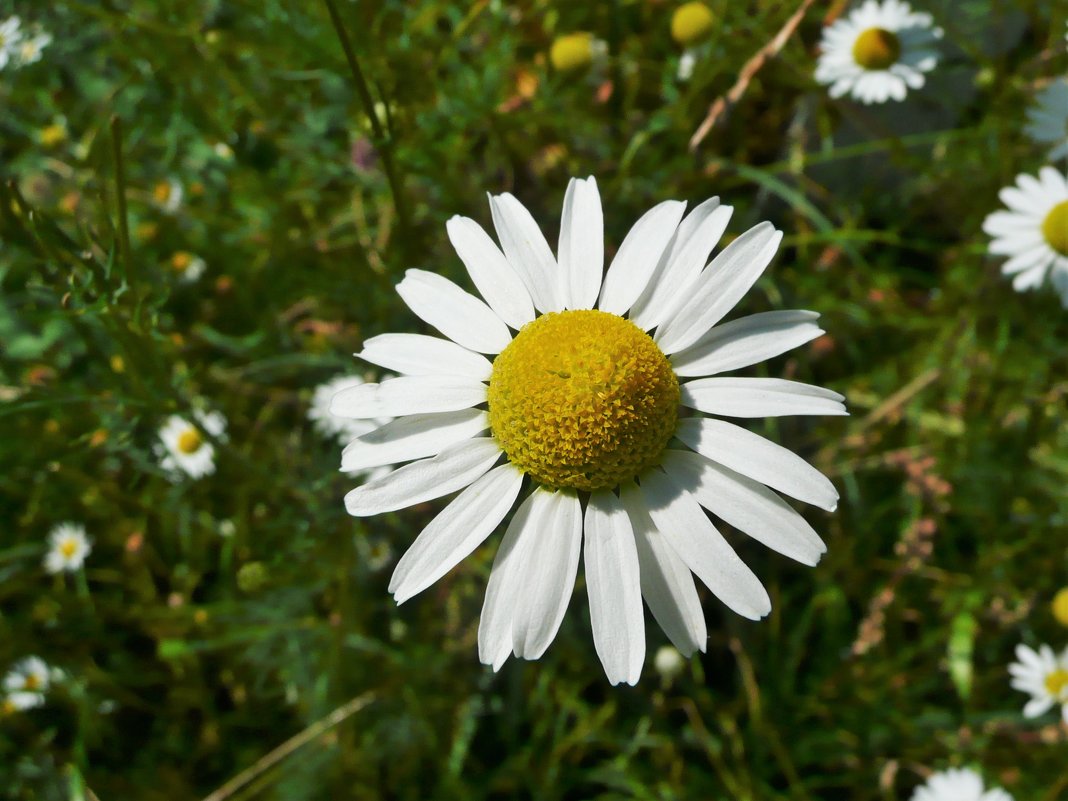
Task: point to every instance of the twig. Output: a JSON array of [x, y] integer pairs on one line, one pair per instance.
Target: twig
[[289, 746], [721, 104]]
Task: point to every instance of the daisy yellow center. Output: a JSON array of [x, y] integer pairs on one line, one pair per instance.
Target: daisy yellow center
[[68, 548], [161, 192], [1055, 228], [1060, 606], [691, 23], [189, 441], [180, 261], [572, 51], [31, 683], [583, 399], [876, 49], [1057, 682]]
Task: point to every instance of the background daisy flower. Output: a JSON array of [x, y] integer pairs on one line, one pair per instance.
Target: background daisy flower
[[958, 784], [1047, 119], [1043, 675], [20, 702], [187, 267], [622, 456], [345, 429], [68, 546], [30, 49], [10, 39], [878, 52], [185, 450], [1033, 233], [29, 675]]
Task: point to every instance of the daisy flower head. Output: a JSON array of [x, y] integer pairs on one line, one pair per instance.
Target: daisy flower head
[[20, 702], [1033, 233], [10, 38], [600, 426], [1043, 675], [878, 52], [29, 675], [344, 430], [1047, 119], [185, 450], [67, 548], [187, 267], [958, 784], [1060, 606], [30, 49], [168, 195]]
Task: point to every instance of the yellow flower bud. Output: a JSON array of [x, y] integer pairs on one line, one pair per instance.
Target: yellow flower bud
[[1060, 606], [572, 51], [691, 23]]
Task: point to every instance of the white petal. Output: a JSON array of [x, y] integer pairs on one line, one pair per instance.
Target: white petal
[[490, 271], [758, 458], [459, 315], [414, 437], [759, 397], [581, 251], [451, 470], [547, 576], [413, 394], [721, 286], [527, 251], [1037, 706], [748, 340], [746, 505], [688, 530], [638, 256], [614, 589], [418, 354], [667, 584], [457, 530], [681, 263], [495, 624]]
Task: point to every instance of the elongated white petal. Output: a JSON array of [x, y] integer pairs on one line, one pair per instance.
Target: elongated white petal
[[527, 251], [638, 256], [614, 588], [681, 264], [495, 624], [414, 437], [760, 397], [748, 340], [457, 530], [581, 250], [451, 470], [548, 576], [667, 584], [691, 534], [746, 505], [727, 279], [418, 354], [490, 271], [457, 314], [758, 458], [413, 394]]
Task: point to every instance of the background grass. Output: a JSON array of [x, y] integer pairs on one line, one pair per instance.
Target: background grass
[[222, 616]]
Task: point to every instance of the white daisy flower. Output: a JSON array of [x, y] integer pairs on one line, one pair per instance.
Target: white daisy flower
[[958, 784], [669, 663], [878, 52], [188, 267], [612, 433], [1033, 232], [10, 38], [185, 448], [67, 548], [168, 195], [1047, 119], [29, 50], [20, 702], [344, 429], [1043, 675], [29, 675]]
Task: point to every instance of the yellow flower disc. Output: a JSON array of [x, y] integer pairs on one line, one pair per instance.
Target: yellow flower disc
[[691, 23], [1057, 682], [876, 49], [1060, 607], [68, 547], [189, 441], [1055, 228], [573, 51], [583, 399]]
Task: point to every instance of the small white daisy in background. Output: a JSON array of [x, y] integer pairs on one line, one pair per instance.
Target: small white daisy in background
[[30, 49], [168, 195], [185, 448], [691, 24], [878, 52], [29, 675], [187, 267], [1047, 119], [1033, 232], [577, 51], [958, 784], [669, 663], [1043, 675], [20, 702], [583, 407], [10, 38], [344, 429], [67, 548]]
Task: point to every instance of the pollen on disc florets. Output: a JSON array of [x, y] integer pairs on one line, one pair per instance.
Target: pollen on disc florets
[[583, 399], [876, 49], [1055, 228]]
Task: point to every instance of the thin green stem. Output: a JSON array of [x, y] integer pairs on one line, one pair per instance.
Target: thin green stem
[[120, 191]]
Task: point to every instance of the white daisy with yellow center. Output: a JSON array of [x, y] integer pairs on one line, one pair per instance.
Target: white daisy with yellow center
[[168, 194], [186, 449], [1033, 233], [878, 52], [1043, 675], [29, 675], [29, 50], [1047, 119], [187, 267], [10, 39], [604, 423], [20, 702], [68, 546], [958, 784]]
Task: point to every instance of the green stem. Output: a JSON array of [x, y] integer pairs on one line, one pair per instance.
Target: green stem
[[120, 191]]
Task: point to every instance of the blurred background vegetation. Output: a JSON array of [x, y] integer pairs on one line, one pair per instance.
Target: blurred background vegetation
[[218, 618]]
